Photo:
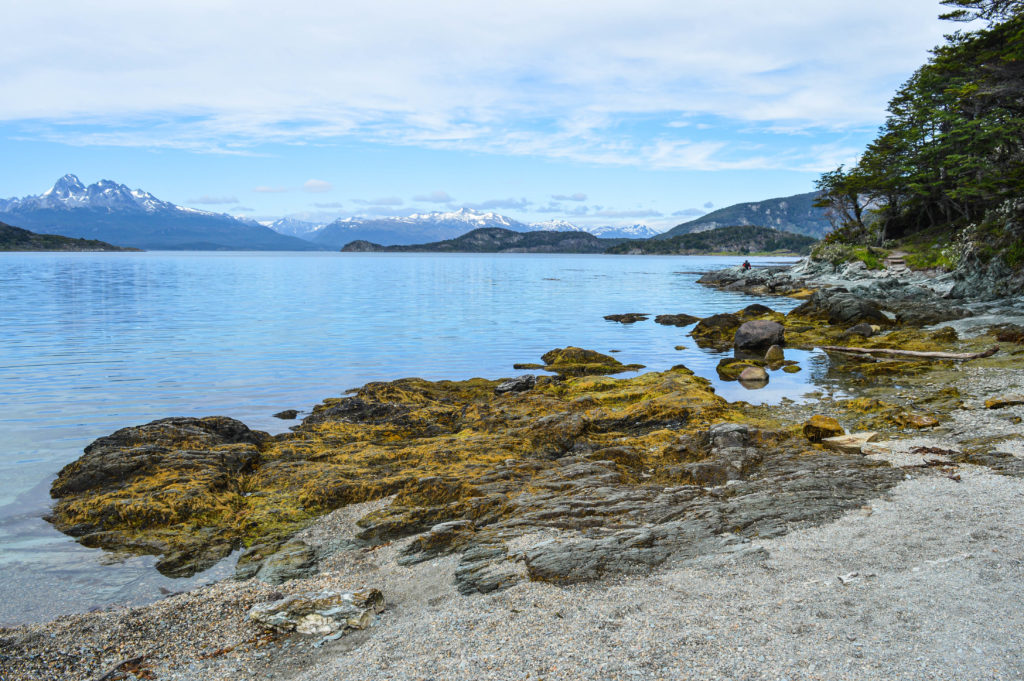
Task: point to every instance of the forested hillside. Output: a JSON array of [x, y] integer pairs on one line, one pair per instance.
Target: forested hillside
[[944, 179]]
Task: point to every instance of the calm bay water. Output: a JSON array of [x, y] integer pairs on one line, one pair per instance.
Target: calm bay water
[[90, 343]]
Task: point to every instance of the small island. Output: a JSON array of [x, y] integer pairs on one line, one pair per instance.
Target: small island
[[17, 239]]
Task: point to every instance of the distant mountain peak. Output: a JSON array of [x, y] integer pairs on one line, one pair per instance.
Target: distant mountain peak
[[66, 187]]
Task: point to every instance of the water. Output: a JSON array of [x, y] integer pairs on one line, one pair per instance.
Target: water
[[90, 343]]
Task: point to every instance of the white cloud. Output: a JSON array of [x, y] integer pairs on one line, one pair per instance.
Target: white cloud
[[317, 186], [578, 196], [709, 205], [638, 213], [524, 79], [688, 213], [437, 196]]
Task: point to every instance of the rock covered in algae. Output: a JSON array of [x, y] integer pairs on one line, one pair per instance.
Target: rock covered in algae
[[628, 318], [681, 319], [573, 361], [626, 474], [820, 427]]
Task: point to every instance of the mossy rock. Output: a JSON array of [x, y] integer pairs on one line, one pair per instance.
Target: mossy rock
[[730, 368], [716, 331], [573, 361], [820, 427]]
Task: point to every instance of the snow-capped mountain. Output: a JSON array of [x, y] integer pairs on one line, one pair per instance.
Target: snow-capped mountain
[[293, 227], [417, 228], [637, 231], [114, 213], [556, 225]]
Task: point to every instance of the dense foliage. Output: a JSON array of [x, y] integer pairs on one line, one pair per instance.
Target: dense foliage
[[951, 152], [737, 239]]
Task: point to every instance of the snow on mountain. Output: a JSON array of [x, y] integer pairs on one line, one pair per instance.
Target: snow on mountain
[[637, 231], [68, 193], [417, 228], [112, 212], [556, 225], [293, 227]]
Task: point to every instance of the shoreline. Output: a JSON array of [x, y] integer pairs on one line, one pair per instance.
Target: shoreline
[[401, 643]]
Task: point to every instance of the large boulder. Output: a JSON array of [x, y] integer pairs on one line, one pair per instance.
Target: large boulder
[[573, 361], [759, 335]]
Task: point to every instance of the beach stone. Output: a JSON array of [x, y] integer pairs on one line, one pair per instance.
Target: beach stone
[[730, 368], [759, 335], [676, 319], [628, 318], [321, 613], [756, 310], [516, 385], [774, 355], [753, 375], [1004, 401], [820, 427], [849, 444], [791, 369], [287, 414], [919, 421]]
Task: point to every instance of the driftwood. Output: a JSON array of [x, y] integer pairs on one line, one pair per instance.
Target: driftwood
[[116, 669], [912, 353]]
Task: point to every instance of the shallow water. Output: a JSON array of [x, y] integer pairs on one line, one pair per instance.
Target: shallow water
[[95, 342]]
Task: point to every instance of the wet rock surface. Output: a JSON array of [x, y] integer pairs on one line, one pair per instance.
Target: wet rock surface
[[676, 319], [759, 335], [320, 614], [628, 318]]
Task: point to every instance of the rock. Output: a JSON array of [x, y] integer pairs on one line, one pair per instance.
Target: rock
[[680, 347], [287, 414], [759, 335], [753, 375], [839, 306], [485, 569], [320, 614], [774, 355], [849, 444], [756, 310], [441, 539], [716, 331], [676, 319], [820, 427], [1004, 401], [573, 361], [863, 329], [730, 368], [1009, 333], [277, 563], [628, 318], [516, 385], [918, 421], [791, 369]]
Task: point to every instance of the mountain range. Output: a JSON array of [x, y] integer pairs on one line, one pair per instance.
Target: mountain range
[[114, 213], [796, 214]]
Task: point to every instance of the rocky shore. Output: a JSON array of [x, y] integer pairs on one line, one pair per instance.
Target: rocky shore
[[581, 525]]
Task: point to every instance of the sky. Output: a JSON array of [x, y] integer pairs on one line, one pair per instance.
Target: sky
[[598, 112]]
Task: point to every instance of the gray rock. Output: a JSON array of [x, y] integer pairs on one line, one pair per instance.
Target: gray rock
[[320, 614], [441, 539], [516, 385], [484, 569], [775, 355], [277, 563], [863, 329], [755, 375], [759, 335]]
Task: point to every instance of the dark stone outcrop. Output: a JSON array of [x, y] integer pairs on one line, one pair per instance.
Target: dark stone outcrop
[[628, 318], [759, 335], [716, 331], [839, 306], [676, 319], [518, 384]]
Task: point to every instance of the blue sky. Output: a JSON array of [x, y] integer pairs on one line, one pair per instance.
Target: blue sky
[[598, 112]]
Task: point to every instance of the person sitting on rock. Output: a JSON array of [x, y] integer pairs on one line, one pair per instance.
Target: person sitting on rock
[[746, 265]]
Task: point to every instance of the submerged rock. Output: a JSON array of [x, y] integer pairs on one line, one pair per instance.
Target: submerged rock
[[716, 331], [774, 355], [754, 375], [676, 319], [628, 318]]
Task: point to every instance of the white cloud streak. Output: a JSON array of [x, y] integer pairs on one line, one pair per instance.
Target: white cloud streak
[[522, 78]]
